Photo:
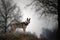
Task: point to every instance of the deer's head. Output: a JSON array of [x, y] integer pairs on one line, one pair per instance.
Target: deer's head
[[28, 20]]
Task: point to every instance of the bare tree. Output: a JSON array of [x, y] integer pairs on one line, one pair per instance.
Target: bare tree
[[8, 13], [50, 6]]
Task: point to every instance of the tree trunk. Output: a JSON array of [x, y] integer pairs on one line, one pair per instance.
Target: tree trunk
[[5, 21], [5, 25]]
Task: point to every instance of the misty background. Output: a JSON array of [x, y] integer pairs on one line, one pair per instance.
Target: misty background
[[33, 9], [43, 14]]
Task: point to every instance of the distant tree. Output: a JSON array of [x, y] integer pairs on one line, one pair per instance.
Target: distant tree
[[8, 13], [50, 6]]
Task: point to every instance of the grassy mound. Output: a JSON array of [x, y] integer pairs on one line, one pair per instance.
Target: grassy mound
[[18, 37]]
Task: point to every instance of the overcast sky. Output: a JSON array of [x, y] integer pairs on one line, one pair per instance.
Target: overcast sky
[[36, 23]]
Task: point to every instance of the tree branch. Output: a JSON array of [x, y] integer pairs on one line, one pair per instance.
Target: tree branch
[[30, 3], [2, 14], [3, 4], [10, 23], [12, 8]]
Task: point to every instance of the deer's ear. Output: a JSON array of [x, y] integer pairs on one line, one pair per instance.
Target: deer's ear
[[27, 18]]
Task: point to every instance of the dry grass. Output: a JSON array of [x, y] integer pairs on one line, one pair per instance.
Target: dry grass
[[18, 37]]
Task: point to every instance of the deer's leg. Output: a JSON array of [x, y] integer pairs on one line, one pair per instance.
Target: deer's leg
[[24, 29], [13, 28]]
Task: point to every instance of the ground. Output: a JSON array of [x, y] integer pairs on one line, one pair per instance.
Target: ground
[[20, 36]]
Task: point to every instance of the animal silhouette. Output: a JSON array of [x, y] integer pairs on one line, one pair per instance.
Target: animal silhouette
[[22, 25]]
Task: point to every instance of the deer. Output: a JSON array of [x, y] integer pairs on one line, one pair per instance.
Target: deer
[[22, 25]]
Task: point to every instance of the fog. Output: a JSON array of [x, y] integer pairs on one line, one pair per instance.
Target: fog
[[36, 22]]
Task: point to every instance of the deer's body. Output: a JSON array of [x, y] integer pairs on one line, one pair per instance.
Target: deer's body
[[22, 25]]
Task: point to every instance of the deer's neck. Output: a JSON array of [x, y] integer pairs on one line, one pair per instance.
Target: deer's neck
[[24, 23]]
